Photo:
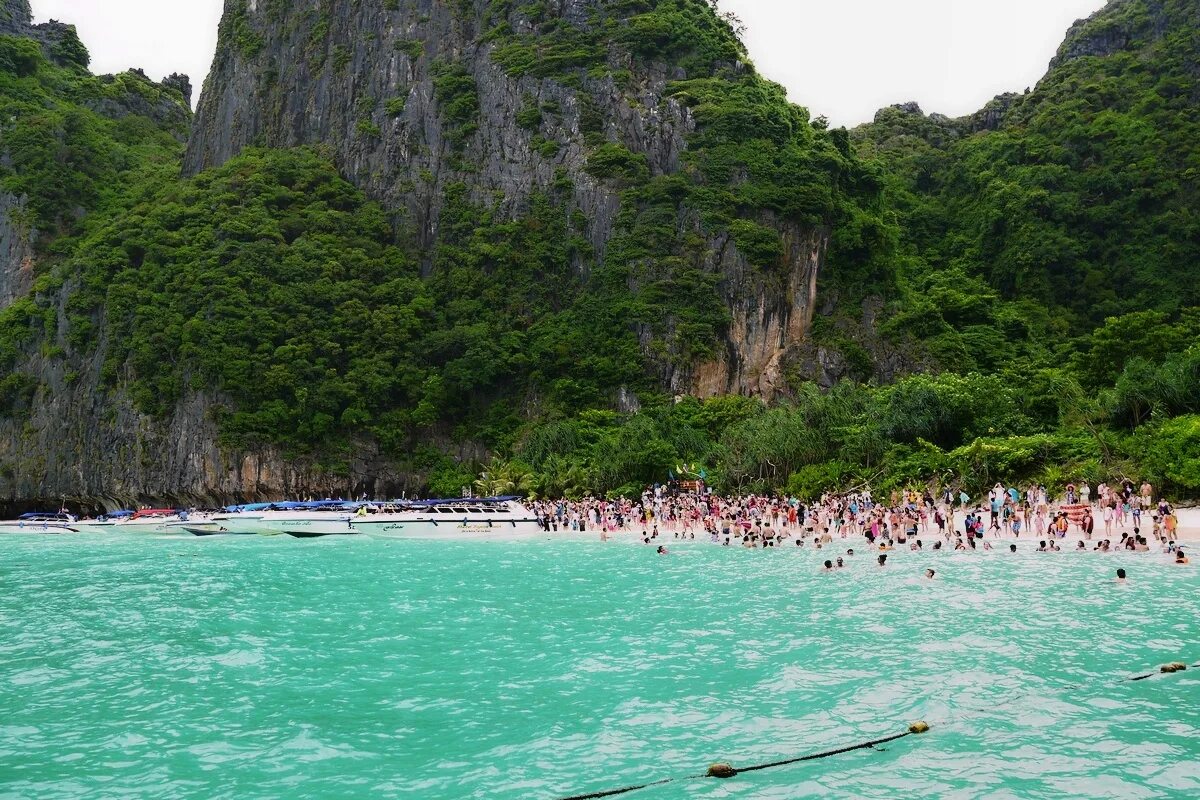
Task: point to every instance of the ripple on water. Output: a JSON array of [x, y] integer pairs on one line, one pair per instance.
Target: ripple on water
[[262, 668]]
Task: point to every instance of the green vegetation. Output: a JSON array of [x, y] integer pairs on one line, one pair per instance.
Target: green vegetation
[[456, 92], [273, 282], [61, 155], [395, 106], [967, 431], [65, 159], [1080, 199], [1038, 268]]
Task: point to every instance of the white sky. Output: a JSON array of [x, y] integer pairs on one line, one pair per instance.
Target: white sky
[[841, 58]]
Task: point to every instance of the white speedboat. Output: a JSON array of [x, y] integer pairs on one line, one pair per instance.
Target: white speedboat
[[219, 524], [147, 520], [40, 522], [305, 524], [498, 517], [306, 520]]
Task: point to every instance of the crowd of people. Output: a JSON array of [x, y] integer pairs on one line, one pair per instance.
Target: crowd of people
[[1130, 519]]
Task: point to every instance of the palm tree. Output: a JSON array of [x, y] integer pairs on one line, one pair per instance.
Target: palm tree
[[501, 477]]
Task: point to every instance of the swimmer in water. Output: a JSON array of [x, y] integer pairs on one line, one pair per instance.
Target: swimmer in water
[[929, 574], [850, 552], [883, 559], [1121, 576], [662, 550], [1012, 548], [829, 566], [840, 563], [1180, 557]]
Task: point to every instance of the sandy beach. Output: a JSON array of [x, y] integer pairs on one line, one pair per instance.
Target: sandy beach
[[1188, 531], [1189, 524]]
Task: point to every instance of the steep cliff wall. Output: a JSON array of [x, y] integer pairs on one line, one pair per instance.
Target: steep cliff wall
[[16, 248], [360, 79], [673, 201], [35, 200]]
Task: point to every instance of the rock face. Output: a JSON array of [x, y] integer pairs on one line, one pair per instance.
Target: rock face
[[299, 87], [60, 43], [768, 321], [16, 249], [1125, 25], [16, 234], [16, 17], [1085, 38], [357, 79]]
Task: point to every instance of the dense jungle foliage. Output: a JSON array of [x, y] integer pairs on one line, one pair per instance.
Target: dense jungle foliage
[[1040, 267]]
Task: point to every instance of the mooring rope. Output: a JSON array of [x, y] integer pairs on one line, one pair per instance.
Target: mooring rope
[[723, 770], [1174, 666], [916, 727], [614, 792]]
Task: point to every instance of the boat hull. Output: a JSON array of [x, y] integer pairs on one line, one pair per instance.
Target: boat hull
[[426, 528], [306, 528], [37, 528], [210, 530], [316, 533]]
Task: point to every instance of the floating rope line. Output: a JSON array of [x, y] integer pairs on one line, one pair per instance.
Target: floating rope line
[[723, 770], [1165, 669]]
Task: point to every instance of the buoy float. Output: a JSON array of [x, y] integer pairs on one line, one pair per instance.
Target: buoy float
[[920, 726], [721, 770]]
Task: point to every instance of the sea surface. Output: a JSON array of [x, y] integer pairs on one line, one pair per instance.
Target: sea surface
[[244, 667]]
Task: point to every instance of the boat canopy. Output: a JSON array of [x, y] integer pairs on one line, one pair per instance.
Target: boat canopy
[[459, 501], [42, 515], [155, 512], [118, 514], [354, 505], [248, 507], [294, 505]]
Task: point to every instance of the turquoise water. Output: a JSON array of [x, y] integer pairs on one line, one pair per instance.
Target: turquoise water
[[261, 668]]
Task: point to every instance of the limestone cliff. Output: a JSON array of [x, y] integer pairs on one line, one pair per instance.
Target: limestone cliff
[[122, 97], [360, 79], [662, 149]]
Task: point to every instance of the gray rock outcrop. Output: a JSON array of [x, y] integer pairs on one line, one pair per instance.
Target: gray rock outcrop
[[286, 76]]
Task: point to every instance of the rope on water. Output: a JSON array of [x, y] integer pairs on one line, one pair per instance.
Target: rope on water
[[1174, 666], [863, 746], [723, 770], [613, 792]]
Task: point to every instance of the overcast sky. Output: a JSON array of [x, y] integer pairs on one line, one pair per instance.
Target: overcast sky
[[841, 58]]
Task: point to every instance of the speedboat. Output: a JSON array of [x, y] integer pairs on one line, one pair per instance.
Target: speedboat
[[306, 520], [40, 522], [147, 520], [303, 520], [499, 517], [230, 521]]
